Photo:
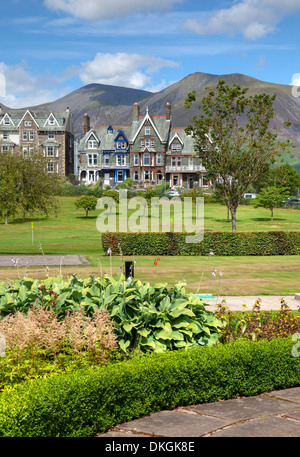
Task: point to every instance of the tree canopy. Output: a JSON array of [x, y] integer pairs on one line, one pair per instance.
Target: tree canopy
[[234, 140], [25, 185]]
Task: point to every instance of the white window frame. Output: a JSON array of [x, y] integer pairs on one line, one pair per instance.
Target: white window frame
[[5, 135], [136, 159], [136, 175], [51, 135], [31, 135], [27, 123], [147, 130], [48, 151], [92, 144], [24, 135], [146, 157], [50, 167], [119, 172]]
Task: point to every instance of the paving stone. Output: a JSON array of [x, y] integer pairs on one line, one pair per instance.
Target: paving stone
[[267, 427], [244, 408], [40, 260], [291, 394], [175, 424]]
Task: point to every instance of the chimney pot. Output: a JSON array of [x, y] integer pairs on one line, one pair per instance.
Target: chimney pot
[[168, 111]]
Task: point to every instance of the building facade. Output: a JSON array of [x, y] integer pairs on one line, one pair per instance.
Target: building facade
[[50, 132], [150, 151]]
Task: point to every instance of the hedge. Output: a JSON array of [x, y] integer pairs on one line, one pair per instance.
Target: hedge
[[83, 403], [222, 243]]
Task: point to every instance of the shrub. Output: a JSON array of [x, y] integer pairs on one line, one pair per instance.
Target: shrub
[[86, 402], [222, 243]]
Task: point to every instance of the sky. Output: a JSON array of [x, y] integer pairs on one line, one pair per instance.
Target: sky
[[50, 48]]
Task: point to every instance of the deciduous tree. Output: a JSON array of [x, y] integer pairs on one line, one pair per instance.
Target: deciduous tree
[[234, 139]]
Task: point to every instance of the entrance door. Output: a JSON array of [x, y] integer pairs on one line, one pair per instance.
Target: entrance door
[[106, 179]]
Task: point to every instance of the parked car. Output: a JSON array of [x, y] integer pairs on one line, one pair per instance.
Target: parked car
[[173, 193]]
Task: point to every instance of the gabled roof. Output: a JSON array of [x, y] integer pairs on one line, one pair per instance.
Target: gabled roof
[[92, 133], [10, 119], [51, 115], [31, 115], [160, 125]]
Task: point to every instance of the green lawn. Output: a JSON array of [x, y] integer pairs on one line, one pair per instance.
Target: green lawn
[[72, 233]]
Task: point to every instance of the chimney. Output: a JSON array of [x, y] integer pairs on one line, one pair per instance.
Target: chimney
[[168, 111], [135, 112], [67, 109], [86, 123]]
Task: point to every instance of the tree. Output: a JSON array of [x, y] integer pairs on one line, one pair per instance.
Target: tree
[[87, 202], [233, 139], [9, 176], [271, 197], [37, 187], [281, 176]]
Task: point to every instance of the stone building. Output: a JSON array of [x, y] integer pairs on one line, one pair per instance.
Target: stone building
[[39, 130], [149, 150]]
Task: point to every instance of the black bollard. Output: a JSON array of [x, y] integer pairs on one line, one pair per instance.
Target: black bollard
[[129, 269]]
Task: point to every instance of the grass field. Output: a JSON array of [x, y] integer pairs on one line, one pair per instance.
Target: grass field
[[72, 233]]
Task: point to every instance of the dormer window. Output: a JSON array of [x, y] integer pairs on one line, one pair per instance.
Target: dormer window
[[6, 120], [51, 121], [92, 144], [147, 130], [110, 130]]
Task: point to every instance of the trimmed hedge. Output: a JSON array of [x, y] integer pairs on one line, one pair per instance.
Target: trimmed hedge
[[84, 403], [222, 243]]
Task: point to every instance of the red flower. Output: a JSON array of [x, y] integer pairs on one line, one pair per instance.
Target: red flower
[[155, 263], [158, 259]]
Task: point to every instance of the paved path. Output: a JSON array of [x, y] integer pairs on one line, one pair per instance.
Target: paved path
[[272, 414], [38, 260], [268, 302]]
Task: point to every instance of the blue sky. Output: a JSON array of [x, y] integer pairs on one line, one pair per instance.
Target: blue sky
[[52, 47]]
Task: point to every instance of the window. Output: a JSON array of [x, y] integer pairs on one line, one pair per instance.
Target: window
[[106, 160], [146, 158], [92, 144], [121, 145], [159, 176], [31, 135], [147, 141], [51, 121], [204, 180], [50, 167], [191, 162], [92, 159], [121, 160], [6, 120], [5, 135], [136, 175], [158, 159], [178, 161], [173, 161], [178, 147], [120, 176], [24, 135], [135, 159], [142, 143], [4, 148], [147, 130], [50, 135], [50, 151], [27, 123], [146, 175], [152, 143], [173, 147]]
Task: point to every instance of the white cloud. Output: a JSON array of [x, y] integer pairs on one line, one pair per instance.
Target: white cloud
[[252, 18], [24, 89], [98, 9], [122, 69]]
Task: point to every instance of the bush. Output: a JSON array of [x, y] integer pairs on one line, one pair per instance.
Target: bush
[[90, 401], [221, 243]]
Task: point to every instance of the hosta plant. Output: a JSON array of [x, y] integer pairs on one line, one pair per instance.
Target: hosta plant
[[146, 318]]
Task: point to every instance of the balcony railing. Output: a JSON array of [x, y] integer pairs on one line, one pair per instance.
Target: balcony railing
[[186, 168]]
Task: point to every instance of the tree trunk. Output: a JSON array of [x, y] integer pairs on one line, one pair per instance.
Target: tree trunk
[[233, 219], [86, 213], [271, 214], [6, 222], [228, 214], [24, 215]]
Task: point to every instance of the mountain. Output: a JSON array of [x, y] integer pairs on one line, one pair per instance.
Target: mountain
[[113, 105]]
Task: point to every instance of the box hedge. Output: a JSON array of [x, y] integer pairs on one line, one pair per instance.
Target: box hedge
[[222, 243], [83, 403]]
